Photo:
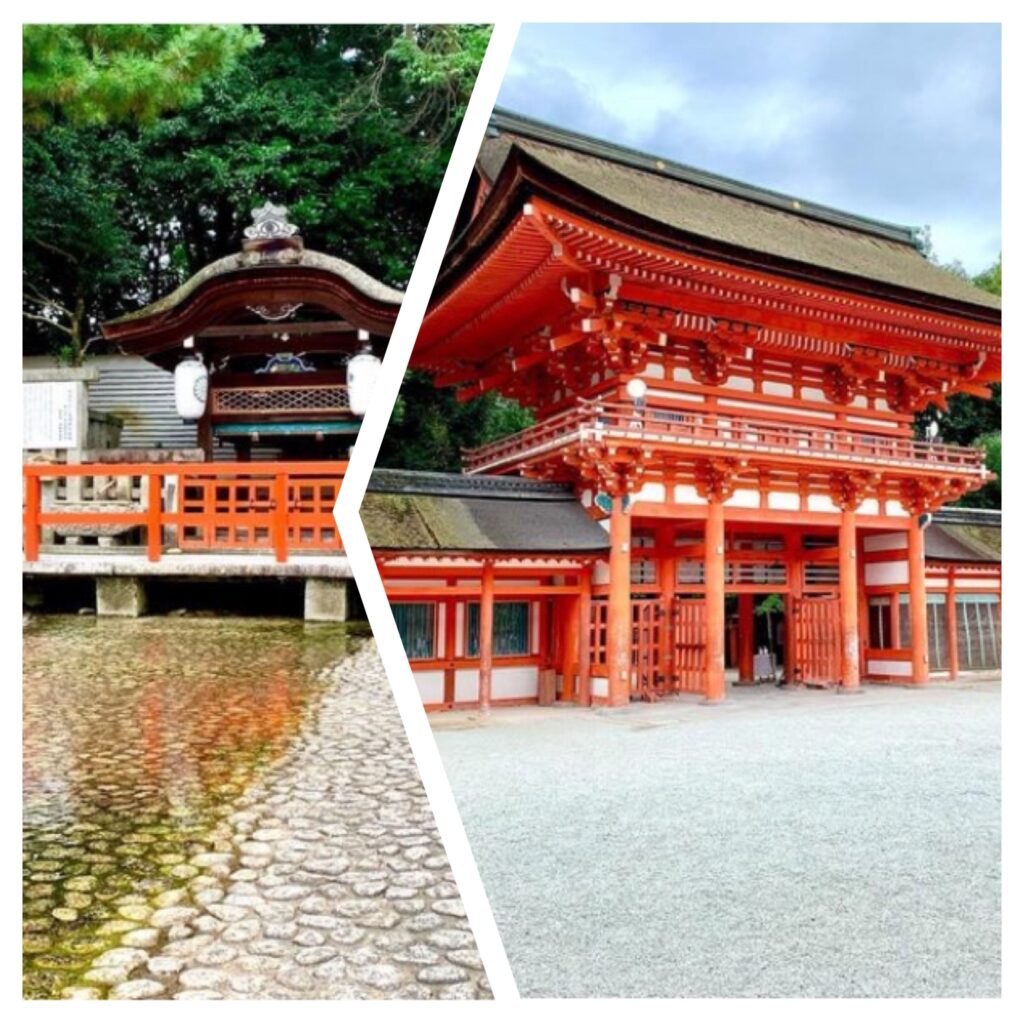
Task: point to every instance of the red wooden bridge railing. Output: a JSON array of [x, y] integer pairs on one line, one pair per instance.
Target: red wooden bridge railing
[[279, 507]]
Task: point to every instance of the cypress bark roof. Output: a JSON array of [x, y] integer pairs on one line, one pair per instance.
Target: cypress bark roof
[[964, 535], [727, 212], [243, 262], [412, 511]]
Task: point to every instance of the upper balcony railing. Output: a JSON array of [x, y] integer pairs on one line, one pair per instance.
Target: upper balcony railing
[[719, 433], [261, 507]]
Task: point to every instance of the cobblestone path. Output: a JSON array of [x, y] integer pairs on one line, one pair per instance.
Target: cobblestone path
[[325, 880]]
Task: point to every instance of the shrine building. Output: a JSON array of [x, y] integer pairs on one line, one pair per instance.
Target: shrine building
[[212, 439], [723, 471]]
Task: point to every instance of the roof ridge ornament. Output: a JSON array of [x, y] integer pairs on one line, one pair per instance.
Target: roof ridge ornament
[[270, 221]]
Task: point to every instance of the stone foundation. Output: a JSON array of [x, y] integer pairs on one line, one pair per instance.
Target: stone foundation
[[123, 596], [326, 600]]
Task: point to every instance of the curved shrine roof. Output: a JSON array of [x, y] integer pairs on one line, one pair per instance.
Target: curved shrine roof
[[623, 182]]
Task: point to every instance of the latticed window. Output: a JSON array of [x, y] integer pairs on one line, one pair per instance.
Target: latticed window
[[938, 645], [511, 629], [978, 631], [643, 570], [879, 623], [415, 623], [689, 570]]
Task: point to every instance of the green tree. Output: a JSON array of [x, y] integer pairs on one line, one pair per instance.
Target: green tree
[[430, 427], [350, 126], [972, 421], [97, 74]]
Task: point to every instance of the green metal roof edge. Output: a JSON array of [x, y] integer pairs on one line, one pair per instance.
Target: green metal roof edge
[[541, 131]]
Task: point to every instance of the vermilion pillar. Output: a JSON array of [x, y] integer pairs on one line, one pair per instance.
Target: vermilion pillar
[[714, 598], [848, 600], [745, 638], [952, 653], [620, 624], [486, 635], [583, 685], [918, 603], [570, 646], [664, 542]]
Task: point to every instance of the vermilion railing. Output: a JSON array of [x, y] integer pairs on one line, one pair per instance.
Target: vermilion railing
[[278, 507], [718, 431]]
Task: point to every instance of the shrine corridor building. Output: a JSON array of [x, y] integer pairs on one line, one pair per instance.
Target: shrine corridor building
[[724, 382]]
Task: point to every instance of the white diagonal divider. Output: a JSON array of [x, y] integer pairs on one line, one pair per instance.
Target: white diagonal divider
[[357, 547]]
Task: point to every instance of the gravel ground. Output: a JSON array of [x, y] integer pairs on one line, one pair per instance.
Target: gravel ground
[[789, 843], [326, 880]]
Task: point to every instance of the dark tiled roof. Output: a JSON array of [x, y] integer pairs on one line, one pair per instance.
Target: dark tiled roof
[[964, 535], [412, 511], [729, 212]]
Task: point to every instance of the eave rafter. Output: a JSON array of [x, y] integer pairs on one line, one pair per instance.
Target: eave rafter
[[567, 297]]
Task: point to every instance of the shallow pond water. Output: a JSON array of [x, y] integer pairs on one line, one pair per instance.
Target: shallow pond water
[[137, 736]]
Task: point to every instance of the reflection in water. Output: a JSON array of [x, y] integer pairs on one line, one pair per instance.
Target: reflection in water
[[137, 734]]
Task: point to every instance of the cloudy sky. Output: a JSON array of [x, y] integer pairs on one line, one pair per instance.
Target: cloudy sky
[[897, 122]]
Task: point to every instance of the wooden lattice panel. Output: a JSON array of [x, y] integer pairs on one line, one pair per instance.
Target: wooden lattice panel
[[308, 399]]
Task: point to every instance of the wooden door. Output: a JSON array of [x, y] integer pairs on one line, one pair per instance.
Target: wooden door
[[689, 646], [816, 637], [647, 681]]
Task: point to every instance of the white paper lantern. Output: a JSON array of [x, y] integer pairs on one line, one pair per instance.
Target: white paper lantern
[[191, 383], [362, 375]]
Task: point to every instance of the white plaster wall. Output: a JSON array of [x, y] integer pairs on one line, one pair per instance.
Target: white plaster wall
[[601, 573], [885, 541], [682, 373], [813, 395], [675, 396], [882, 667], [460, 629], [821, 503], [974, 584], [740, 383], [894, 508], [599, 686], [743, 405], [686, 494], [514, 683], [788, 501], [777, 387], [467, 684], [431, 686], [650, 492], [655, 370], [880, 574], [869, 507], [744, 497]]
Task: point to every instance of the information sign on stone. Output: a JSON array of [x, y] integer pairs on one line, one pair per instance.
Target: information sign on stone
[[52, 415]]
